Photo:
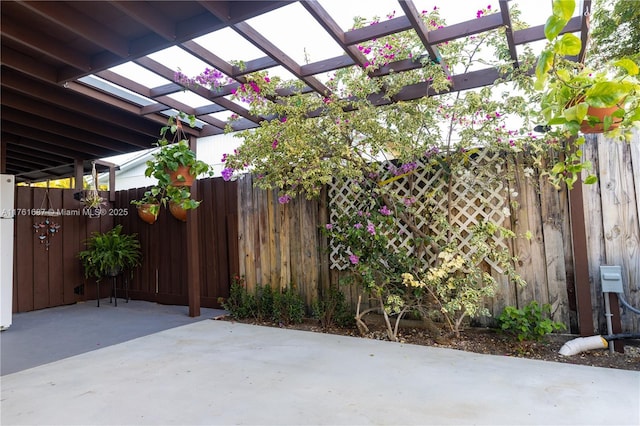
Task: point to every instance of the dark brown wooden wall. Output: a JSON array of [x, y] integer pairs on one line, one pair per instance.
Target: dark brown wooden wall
[[47, 278], [163, 275]]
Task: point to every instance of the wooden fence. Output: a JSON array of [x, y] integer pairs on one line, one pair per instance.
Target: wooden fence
[[281, 244], [52, 276], [47, 271], [246, 231]]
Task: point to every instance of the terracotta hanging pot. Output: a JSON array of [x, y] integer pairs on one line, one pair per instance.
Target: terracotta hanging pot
[[600, 113], [144, 212], [185, 180], [177, 211]]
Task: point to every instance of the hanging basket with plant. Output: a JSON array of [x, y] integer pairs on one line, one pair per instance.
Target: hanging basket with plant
[[175, 166], [577, 99]]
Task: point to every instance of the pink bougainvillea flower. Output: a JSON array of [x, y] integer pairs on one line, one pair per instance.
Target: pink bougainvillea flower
[[354, 259], [284, 199], [371, 228], [385, 211], [358, 225], [329, 226]]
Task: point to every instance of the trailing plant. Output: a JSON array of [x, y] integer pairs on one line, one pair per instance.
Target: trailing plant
[[171, 155], [572, 93], [528, 323]]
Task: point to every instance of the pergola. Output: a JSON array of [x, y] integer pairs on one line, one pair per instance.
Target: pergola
[[64, 104]]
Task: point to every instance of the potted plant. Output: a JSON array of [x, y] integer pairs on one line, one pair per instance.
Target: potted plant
[[576, 99], [109, 253], [148, 207], [175, 166], [580, 98], [175, 163]]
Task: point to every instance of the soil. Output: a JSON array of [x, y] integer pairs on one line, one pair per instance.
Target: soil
[[487, 341]]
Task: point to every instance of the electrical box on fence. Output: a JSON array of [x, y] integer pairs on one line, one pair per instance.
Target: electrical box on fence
[[611, 278]]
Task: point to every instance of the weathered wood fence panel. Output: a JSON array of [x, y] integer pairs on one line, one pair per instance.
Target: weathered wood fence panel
[[279, 244], [618, 173], [540, 220]]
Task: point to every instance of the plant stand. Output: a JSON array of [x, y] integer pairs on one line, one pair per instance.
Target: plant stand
[[114, 290]]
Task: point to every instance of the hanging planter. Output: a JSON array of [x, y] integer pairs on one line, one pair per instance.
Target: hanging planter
[[600, 113], [148, 212], [178, 211], [175, 166], [181, 176], [92, 200]]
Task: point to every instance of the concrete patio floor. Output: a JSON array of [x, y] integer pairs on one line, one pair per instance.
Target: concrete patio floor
[[218, 372]]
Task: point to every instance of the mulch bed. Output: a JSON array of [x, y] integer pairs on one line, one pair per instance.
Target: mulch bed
[[486, 341]]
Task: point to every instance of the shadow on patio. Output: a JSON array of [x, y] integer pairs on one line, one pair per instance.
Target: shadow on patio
[[43, 336]]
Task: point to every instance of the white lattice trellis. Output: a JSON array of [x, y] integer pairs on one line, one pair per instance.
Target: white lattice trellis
[[479, 194]]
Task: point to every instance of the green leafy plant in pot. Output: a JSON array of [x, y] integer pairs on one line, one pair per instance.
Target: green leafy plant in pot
[[148, 206], [109, 253], [576, 99], [175, 166]]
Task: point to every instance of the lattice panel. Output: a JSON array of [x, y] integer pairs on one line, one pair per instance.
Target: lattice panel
[[479, 194]]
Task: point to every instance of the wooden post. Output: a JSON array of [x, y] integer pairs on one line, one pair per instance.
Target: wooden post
[[581, 265], [79, 174], [580, 260], [3, 156], [193, 252]]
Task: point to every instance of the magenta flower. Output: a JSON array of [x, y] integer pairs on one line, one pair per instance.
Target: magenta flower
[[284, 199], [329, 226], [385, 211], [358, 225], [409, 201], [227, 173], [354, 259], [371, 228], [274, 145]]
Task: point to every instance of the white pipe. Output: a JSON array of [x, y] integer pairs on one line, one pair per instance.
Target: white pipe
[[581, 344]]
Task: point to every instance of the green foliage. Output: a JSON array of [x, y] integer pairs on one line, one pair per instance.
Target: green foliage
[[570, 92], [528, 323], [615, 32], [333, 310], [265, 304], [168, 158], [109, 253]]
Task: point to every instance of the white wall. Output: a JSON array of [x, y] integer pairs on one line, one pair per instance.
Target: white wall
[[210, 149]]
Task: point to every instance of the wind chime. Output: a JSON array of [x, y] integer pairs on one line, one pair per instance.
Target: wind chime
[[46, 228]]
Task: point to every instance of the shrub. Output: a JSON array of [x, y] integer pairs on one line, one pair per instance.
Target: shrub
[[288, 307], [265, 304], [528, 323], [332, 310], [240, 303]]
